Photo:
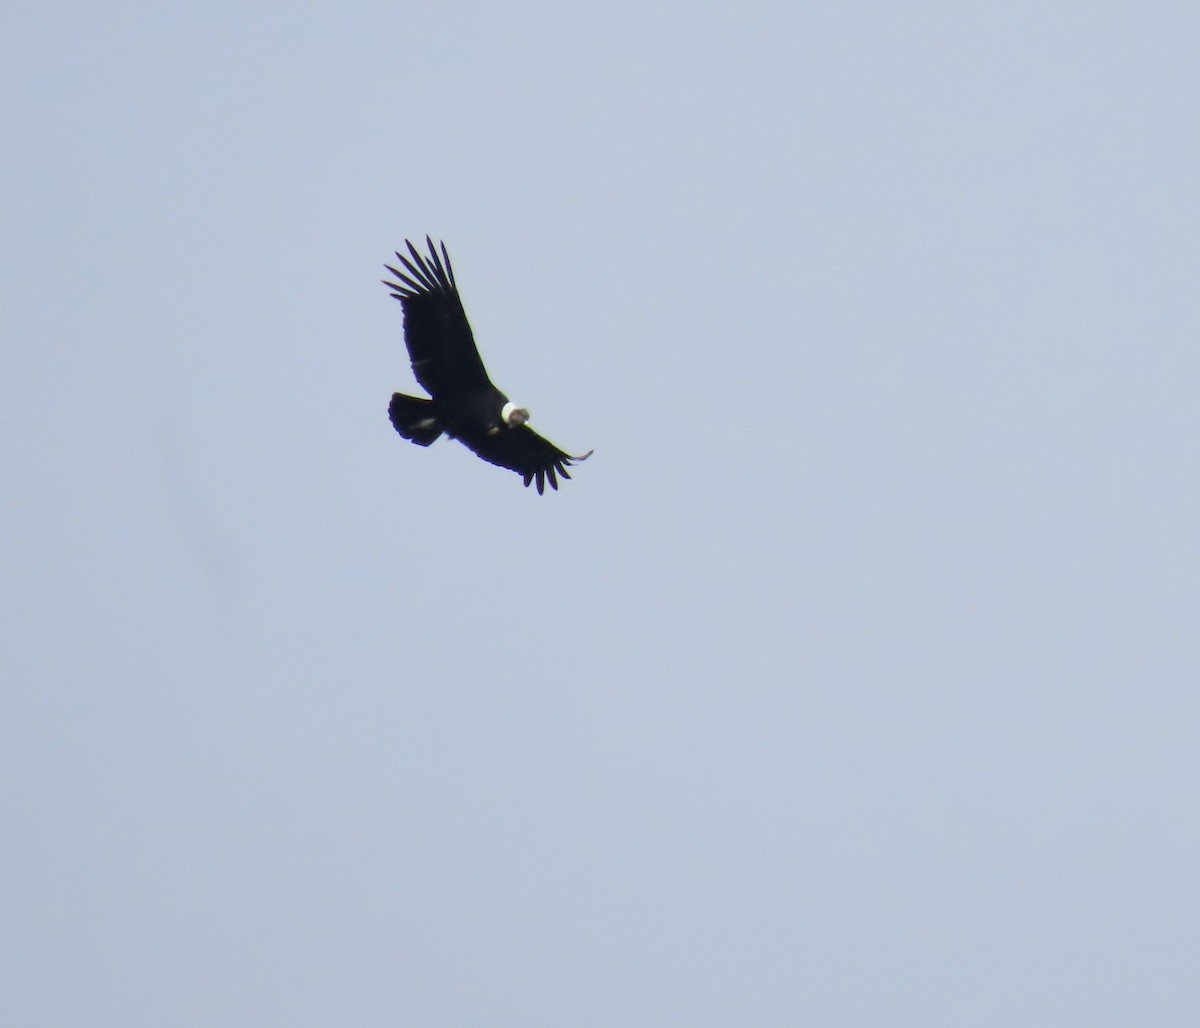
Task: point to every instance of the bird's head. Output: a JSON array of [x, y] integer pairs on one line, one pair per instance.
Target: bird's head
[[512, 415]]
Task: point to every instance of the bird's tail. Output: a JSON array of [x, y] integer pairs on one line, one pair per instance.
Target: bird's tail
[[414, 419]]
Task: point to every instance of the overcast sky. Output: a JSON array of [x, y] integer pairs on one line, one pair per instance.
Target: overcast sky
[[853, 681]]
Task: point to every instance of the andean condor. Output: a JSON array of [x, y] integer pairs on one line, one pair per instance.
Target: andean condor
[[463, 402]]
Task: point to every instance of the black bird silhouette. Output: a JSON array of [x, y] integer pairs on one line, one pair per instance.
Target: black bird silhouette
[[462, 402]]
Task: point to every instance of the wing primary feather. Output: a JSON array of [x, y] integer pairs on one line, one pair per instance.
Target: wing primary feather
[[418, 272], [415, 275], [541, 481], [428, 284], [403, 278], [442, 278], [414, 251], [449, 269], [550, 477], [427, 272], [433, 257]]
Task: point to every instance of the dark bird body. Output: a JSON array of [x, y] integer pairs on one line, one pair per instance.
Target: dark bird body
[[462, 402]]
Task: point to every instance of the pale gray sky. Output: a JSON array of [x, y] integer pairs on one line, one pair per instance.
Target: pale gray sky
[[853, 681]]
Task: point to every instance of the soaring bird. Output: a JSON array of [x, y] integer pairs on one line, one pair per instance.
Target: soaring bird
[[462, 402]]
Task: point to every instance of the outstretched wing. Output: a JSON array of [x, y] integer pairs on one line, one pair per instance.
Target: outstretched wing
[[436, 331], [522, 450]]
